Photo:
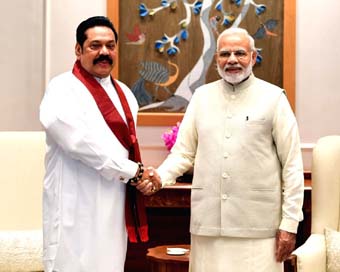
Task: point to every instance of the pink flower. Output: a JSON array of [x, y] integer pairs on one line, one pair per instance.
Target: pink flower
[[170, 137]]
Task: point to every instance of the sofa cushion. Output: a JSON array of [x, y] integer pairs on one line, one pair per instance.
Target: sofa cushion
[[21, 251], [332, 250]]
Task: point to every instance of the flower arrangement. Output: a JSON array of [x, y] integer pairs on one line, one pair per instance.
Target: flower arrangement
[[169, 137]]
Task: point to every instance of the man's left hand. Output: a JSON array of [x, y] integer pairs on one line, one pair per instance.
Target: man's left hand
[[150, 182], [285, 244]]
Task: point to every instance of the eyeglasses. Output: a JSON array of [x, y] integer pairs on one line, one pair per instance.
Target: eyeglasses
[[239, 54]]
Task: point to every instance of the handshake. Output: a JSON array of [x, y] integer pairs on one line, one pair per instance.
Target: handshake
[[150, 182]]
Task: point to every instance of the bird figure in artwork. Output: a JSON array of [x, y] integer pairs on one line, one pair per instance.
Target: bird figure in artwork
[[213, 24], [136, 37], [266, 29], [157, 74], [171, 78]]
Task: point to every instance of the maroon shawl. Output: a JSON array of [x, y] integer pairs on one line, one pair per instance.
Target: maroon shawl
[[135, 215]]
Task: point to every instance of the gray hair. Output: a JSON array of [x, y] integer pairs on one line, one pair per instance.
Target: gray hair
[[237, 30]]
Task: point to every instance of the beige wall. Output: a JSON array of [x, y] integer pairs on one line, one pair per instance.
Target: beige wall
[[63, 17], [317, 71], [21, 63], [42, 46], [318, 68]]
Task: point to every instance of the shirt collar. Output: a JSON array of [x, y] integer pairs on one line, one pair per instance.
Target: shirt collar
[[104, 80], [240, 86]]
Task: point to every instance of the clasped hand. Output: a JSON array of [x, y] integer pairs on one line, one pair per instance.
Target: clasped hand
[[150, 182]]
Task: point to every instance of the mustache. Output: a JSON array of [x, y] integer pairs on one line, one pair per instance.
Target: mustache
[[103, 58], [232, 66]]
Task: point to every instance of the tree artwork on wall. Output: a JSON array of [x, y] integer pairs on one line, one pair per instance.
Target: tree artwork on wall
[[167, 47]]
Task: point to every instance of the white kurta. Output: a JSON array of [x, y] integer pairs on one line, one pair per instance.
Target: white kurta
[[221, 254], [86, 173]]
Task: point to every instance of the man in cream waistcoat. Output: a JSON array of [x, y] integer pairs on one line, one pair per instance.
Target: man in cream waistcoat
[[241, 136]]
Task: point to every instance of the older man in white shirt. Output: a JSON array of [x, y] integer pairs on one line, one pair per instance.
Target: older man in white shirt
[[89, 207]]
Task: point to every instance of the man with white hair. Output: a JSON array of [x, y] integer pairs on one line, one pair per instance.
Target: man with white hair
[[241, 136]]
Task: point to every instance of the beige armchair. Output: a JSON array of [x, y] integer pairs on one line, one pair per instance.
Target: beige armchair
[[311, 256], [21, 180]]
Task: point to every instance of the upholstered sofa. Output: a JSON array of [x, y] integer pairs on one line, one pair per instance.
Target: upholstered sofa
[[321, 251], [21, 178]]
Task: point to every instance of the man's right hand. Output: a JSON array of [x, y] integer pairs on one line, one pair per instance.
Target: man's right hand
[[150, 182]]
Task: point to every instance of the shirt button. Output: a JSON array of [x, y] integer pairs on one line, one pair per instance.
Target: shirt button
[[224, 196], [228, 135], [224, 175], [229, 116], [226, 155]]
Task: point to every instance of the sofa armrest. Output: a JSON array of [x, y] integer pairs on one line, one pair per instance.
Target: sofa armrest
[[21, 251], [311, 256]]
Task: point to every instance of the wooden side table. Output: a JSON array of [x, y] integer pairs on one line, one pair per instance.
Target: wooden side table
[[160, 261]]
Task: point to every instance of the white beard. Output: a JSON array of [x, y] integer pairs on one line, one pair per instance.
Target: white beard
[[235, 78]]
